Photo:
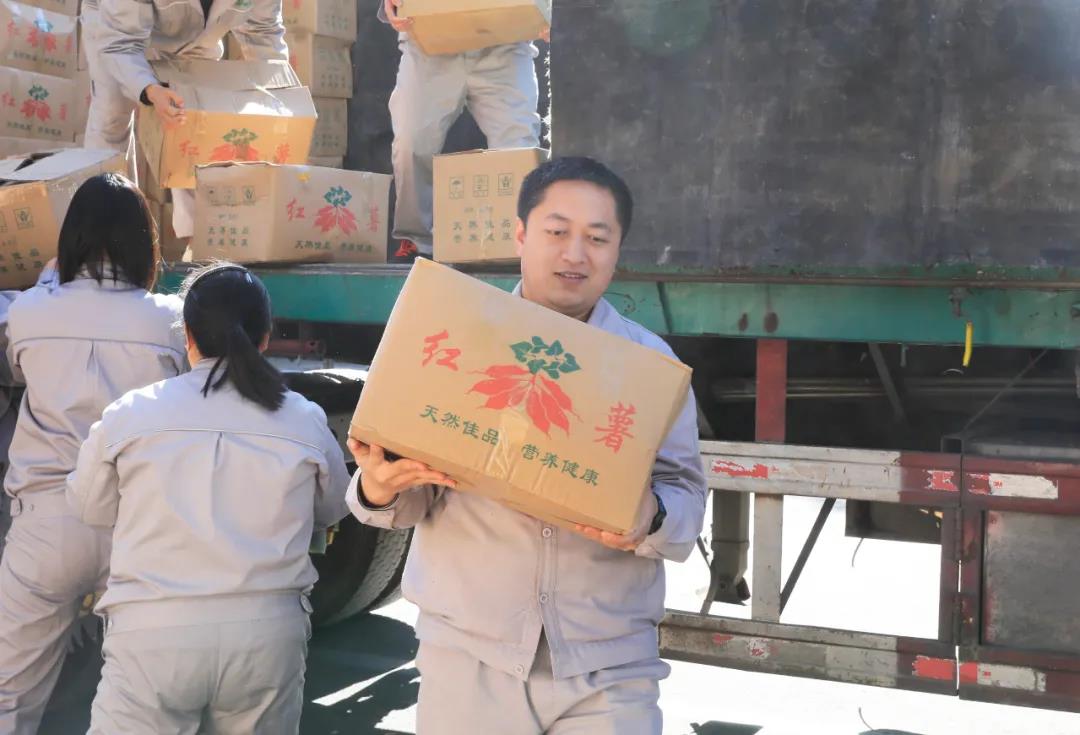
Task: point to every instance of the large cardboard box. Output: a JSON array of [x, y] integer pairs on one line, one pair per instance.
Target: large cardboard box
[[335, 18], [262, 213], [172, 247], [36, 105], [518, 403], [475, 207], [332, 127], [34, 196], [236, 111], [82, 102], [453, 26], [38, 40], [67, 7], [322, 64]]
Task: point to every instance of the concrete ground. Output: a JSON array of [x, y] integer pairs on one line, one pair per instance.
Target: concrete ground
[[361, 677]]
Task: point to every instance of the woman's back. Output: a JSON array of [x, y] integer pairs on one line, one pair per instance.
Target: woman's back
[[212, 495], [80, 346]]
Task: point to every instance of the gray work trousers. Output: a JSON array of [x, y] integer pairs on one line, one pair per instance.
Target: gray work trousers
[[232, 678], [460, 695], [110, 122], [51, 562], [498, 86]]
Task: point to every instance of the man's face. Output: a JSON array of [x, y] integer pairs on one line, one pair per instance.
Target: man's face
[[569, 248]]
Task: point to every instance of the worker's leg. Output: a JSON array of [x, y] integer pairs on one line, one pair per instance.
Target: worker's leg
[[503, 95], [428, 97], [183, 219], [109, 121], [50, 563], [623, 700], [460, 695], [260, 680], [156, 680]]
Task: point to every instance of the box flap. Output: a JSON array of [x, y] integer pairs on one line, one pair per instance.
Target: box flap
[[291, 102], [230, 75], [54, 165]]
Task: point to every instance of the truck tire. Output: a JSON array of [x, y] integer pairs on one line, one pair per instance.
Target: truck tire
[[361, 568]]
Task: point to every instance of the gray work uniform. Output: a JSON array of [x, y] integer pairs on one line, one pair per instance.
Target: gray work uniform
[[121, 34], [7, 409], [77, 346], [212, 502], [489, 580], [498, 86]]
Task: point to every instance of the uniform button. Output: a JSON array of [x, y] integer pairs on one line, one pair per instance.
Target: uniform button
[[543, 599], [519, 669], [547, 533]]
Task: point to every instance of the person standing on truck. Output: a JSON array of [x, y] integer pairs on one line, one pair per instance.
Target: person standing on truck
[[526, 628], [78, 344], [498, 86], [120, 35], [212, 484]]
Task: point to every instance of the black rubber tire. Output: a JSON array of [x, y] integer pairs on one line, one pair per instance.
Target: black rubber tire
[[381, 583]]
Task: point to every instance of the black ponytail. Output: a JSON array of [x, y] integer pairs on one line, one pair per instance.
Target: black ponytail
[[227, 311]]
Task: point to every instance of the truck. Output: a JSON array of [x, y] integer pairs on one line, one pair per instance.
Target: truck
[[858, 222]]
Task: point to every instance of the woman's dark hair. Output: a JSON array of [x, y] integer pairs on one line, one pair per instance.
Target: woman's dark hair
[[109, 221], [575, 168], [227, 311]]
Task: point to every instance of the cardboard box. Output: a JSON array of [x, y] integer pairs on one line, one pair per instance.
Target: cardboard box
[[322, 64], [236, 111], [82, 102], [332, 127], [475, 203], [518, 403], [33, 39], [334, 18], [262, 213], [36, 105], [22, 147], [34, 199], [66, 7], [327, 161], [454, 26]]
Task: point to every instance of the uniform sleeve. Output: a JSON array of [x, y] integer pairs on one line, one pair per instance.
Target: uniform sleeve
[[262, 36], [330, 506], [124, 31], [407, 510], [93, 489], [679, 481], [7, 372]]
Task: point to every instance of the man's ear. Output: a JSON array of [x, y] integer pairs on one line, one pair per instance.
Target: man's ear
[[519, 237]]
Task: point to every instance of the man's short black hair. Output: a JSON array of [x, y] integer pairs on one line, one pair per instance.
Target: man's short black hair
[[109, 227], [576, 168]]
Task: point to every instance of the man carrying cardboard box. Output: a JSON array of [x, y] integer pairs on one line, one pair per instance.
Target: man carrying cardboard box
[[119, 34], [498, 85], [525, 627]]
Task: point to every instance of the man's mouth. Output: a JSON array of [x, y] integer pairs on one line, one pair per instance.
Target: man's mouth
[[571, 275]]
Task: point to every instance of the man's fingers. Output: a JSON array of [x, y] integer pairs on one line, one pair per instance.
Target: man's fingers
[[403, 482]]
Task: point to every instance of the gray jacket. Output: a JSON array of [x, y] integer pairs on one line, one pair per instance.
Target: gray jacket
[[487, 578], [123, 31], [78, 347], [211, 497]]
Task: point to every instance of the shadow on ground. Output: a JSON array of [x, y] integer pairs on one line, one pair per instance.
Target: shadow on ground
[[723, 728], [365, 664]]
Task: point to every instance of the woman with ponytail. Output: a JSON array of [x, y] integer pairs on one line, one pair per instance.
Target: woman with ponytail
[[214, 482]]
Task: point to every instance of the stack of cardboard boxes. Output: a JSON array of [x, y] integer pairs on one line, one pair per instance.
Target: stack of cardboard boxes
[[39, 105], [320, 34]]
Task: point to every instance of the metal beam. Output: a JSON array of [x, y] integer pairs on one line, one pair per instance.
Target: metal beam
[[1022, 316]]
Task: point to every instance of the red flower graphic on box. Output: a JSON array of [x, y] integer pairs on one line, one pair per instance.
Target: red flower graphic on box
[[35, 105], [532, 383], [336, 213], [237, 146], [281, 155]]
